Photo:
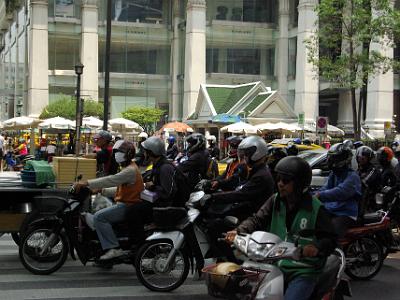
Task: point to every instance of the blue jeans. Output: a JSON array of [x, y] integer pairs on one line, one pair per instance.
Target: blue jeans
[[103, 220], [300, 288]]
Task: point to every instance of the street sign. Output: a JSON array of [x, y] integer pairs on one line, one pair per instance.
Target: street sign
[[322, 125], [300, 120], [387, 128]]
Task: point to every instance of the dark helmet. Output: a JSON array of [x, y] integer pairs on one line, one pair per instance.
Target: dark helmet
[[297, 169], [292, 150], [394, 145], [171, 139], [155, 145], [339, 156], [125, 147], [365, 151], [307, 142], [234, 142], [275, 154], [397, 152], [384, 155], [358, 144], [196, 142], [254, 147]]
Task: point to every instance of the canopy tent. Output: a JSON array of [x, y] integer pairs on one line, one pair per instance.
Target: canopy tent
[[332, 130], [240, 128], [20, 123], [92, 122], [177, 127], [280, 126], [124, 125], [57, 124]]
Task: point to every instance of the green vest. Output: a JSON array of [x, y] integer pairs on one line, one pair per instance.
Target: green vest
[[304, 219]]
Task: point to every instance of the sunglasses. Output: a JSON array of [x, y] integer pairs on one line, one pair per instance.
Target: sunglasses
[[284, 179]]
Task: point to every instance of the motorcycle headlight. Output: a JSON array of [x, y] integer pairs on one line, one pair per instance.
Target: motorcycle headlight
[[379, 198], [258, 251], [278, 251], [241, 243]]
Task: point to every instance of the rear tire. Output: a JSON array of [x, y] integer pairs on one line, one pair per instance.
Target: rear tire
[[366, 259], [151, 258], [31, 246]]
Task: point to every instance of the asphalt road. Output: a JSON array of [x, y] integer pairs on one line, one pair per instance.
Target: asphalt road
[[74, 281]]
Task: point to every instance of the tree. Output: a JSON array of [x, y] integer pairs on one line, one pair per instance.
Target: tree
[[343, 49], [144, 116], [65, 106]]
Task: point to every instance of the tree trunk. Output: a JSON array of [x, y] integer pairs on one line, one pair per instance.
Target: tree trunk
[[355, 119]]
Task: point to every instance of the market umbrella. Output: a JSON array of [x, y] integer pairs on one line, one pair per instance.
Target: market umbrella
[[20, 123], [92, 122], [332, 130], [177, 127], [240, 128], [121, 124], [280, 126], [225, 118], [57, 123]]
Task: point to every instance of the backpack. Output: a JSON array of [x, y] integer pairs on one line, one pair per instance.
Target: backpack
[[212, 169]]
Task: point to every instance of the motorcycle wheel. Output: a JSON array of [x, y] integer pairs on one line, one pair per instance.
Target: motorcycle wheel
[[149, 264], [367, 258], [31, 245], [16, 237]]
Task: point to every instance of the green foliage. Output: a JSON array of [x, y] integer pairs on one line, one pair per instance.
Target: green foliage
[[65, 106], [346, 47], [144, 116]]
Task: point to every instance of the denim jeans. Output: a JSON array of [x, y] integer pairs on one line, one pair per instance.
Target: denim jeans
[[300, 288], [103, 220]]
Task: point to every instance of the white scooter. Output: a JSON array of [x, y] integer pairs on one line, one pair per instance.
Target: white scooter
[[260, 250]]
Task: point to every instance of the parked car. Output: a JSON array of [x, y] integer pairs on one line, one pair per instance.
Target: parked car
[[284, 143]]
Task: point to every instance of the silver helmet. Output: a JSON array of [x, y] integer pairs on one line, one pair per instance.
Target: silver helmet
[[254, 147], [155, 145]]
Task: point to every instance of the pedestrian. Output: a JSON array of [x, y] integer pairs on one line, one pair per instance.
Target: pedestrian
[[2, 141]]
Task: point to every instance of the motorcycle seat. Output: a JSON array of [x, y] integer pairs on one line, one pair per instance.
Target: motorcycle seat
[[371, 218], [327, 279]]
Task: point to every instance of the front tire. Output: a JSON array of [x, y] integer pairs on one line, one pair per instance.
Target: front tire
[[364, 259], [149, 264], [32, 244]]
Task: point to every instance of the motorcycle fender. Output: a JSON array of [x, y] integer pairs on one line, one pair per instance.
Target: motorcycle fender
[[176, 237], [45, 220], [273, 284]]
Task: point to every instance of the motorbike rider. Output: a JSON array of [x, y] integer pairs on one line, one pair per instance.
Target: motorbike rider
[[196, 165], [172, 149], [275, 154], [213, 147], [139, 157], [292, 149], [236, 171], [125, 187], [384, 155], [285, 213], [342, 191], [397, 167], [370, 178]]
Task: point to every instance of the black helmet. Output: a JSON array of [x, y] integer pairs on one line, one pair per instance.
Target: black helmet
[[292, 150], [339, 156], [307, 142], [275, 154], [365, 151], [358, 144], [196, 142], [296, 168], [155, 145], [254, 147], [234, 142]]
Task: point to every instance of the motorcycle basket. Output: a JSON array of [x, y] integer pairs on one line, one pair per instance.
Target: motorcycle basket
[[240, 284]]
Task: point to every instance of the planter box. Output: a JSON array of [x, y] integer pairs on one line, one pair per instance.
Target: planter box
[[66, 169]]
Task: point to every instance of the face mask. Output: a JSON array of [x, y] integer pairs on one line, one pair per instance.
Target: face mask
[[120, 157]]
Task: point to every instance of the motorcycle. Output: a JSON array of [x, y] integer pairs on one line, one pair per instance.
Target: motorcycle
[[45, 244], [259, 276], [163, 262]]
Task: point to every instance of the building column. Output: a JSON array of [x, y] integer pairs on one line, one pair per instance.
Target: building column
[[90, 50], [345, 111], [174, 108], [307, 86], [195, 54], [38, 82], [283, 48]]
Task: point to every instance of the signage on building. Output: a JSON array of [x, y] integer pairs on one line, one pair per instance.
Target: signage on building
[[387, 128], [322, 125], [300, 120], [64, 8]]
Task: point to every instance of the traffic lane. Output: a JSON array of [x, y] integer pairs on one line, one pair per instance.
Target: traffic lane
[[385, 285]]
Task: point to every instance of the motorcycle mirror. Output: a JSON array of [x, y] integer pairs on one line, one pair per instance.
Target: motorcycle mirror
[[231, 221]]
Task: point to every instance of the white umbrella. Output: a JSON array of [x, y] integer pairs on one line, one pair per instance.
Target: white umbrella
[[20, 123], [332, 130], [92, 122], [57, 123], [124, 124], [240, 128], [278, 126]]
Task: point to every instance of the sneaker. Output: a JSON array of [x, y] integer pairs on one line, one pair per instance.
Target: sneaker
[[112, 253]]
